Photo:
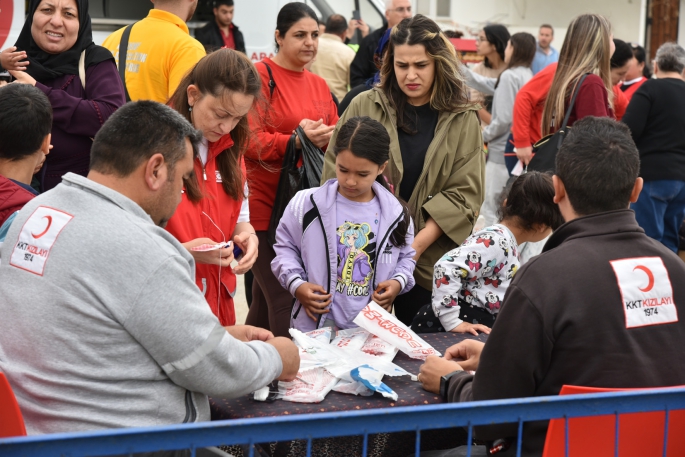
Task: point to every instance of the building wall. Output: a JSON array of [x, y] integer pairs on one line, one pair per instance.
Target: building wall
[[527, 15]]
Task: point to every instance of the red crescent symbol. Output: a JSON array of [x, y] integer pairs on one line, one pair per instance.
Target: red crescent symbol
[[649, 275], [49, 218]]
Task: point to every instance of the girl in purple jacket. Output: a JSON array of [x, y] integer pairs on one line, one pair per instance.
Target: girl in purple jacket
[[347, 242]]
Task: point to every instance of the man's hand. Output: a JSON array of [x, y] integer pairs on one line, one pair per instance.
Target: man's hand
[[248, 333], [386, 292], [11, 59], [249, 244], [466, 327], [524, 154], [290, 356], [433, 369], [467, 353], [222, 257], [314, 299]]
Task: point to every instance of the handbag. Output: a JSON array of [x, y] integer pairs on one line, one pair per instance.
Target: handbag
[[295, 176], [546, 149]]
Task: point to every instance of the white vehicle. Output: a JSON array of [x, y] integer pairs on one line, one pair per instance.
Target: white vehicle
[[255, 18]]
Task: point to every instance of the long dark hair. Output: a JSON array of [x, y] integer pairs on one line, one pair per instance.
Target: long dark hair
[[524, 51], [530, 202], [366, 138], [498, 36], [221, 71], [449, 92]]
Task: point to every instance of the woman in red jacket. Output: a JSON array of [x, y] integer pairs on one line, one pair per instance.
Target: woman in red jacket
[[216, 97], [295, 97], [587, 48]]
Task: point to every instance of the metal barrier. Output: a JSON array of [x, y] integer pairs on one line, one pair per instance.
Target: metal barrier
[[352, 423]]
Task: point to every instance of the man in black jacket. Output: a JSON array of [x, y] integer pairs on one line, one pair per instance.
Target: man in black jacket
[[599, 307], [221, 32], [363, 66]]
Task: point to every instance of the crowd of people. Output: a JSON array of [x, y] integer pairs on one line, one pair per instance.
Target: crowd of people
[[139, 178]]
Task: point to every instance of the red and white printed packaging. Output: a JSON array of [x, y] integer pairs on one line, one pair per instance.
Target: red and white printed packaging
[[320, 334], [384, 325], [380, 348], [311, 386], [353, 338]]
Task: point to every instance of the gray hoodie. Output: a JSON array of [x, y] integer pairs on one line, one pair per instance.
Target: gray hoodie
[[510, 82], [102, 325]]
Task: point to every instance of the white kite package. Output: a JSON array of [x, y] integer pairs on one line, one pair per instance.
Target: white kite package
[[388, 328], [311, 386], [211, 247], [354, 363]]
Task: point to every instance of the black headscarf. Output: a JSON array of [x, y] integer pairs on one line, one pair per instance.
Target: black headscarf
[[44, 66]]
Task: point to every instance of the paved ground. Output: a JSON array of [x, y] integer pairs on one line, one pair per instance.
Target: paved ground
[[240, 303]]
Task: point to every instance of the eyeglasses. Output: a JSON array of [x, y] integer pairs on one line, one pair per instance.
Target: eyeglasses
[[402, 9], [481, 39]]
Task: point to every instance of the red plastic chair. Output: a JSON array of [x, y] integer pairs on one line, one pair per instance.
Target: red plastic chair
[[11, 420], [640, 434]]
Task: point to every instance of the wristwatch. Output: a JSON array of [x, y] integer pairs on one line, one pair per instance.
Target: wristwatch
[[445, 383]]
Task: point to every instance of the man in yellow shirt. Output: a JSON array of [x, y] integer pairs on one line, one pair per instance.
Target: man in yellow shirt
[[160, 50]]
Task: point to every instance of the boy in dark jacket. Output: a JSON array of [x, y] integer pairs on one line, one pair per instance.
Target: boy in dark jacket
[[25, 124], [221, 32], [599, 307]]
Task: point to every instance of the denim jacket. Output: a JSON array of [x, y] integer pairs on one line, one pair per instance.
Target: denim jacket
[[306, 250]]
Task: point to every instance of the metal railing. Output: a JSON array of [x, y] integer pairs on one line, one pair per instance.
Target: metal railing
[[350, 423]]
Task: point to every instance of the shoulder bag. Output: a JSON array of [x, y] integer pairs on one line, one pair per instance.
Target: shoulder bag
[[546, 149]]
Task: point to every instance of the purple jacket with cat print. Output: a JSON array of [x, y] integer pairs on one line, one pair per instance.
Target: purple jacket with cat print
[[306, 250]]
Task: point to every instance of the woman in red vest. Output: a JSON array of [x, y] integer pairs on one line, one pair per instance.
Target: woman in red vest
[[216, 97]]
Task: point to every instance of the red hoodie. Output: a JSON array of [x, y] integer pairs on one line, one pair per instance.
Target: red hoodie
[[191, 221], [528, 106], [12, 198], [592, 100]]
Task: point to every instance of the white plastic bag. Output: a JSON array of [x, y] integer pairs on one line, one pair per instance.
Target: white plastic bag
[[308, 357], [371, 379], [311, 386], [341, 360], [386, 326], [353, 338], [321, 334], [380, 348]]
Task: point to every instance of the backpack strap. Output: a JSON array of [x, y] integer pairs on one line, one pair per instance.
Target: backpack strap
[[272, 83], [123, 51], [82, 69]]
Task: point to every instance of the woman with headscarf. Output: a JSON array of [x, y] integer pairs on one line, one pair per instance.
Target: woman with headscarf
[[55, 52]]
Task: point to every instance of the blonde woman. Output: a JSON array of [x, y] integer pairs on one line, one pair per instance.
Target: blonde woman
[[587, 48], [436, 159]]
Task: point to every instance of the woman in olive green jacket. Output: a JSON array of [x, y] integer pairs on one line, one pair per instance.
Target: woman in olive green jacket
[[437, 163]]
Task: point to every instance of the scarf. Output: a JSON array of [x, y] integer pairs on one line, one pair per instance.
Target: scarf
[[44, 66]]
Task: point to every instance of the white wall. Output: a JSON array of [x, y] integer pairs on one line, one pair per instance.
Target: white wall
[[527, 15]]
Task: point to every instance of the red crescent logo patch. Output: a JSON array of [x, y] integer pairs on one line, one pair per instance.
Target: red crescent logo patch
[[49, 218], [650, 277]]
